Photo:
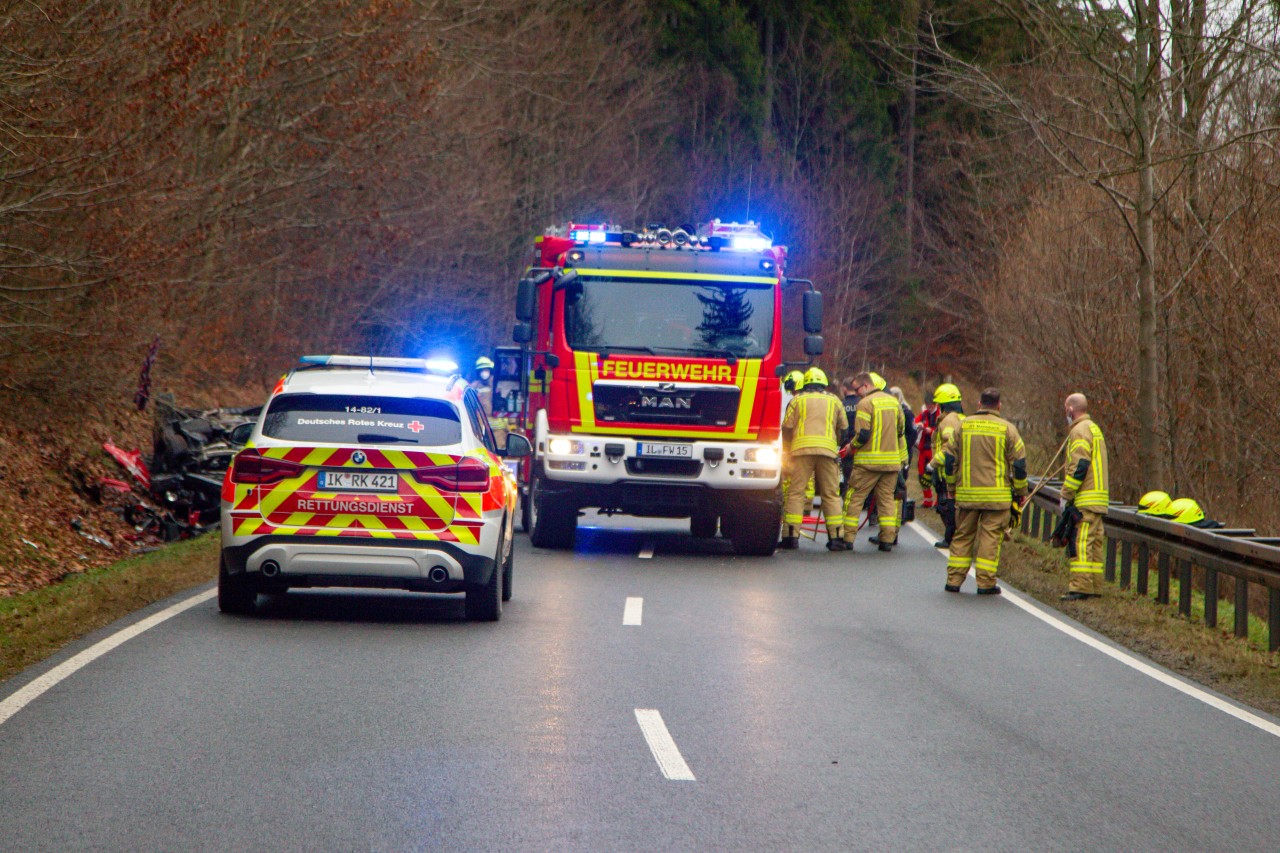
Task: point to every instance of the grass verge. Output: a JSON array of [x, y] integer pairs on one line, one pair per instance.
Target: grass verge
[[1240, 669], [36, 624]]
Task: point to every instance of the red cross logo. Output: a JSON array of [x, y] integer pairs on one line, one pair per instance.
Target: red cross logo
[[416, 427]]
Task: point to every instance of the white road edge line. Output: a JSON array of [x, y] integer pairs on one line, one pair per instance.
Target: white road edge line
[[664, 749], [1125, 657], [646, 550], [32, 691], [633, 612]]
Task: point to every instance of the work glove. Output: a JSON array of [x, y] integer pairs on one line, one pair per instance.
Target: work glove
[[928, 466], [1015, 513]]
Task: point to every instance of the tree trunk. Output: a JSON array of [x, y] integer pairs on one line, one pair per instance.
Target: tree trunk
[[1146, 59]]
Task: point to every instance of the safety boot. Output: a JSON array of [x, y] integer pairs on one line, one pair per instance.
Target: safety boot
[[837, 545], [789, 543]]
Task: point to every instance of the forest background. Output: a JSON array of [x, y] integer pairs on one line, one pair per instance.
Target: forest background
[[1046, 196]]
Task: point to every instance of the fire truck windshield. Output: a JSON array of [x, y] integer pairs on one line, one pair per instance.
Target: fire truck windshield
[[670, 317]]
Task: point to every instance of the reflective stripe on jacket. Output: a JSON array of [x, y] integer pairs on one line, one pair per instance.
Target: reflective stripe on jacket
[[878, 429], [1086, 473], [990, 462], [817, 421]]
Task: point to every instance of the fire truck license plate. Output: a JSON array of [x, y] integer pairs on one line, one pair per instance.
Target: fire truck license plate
[[665, 449], [357, 481]]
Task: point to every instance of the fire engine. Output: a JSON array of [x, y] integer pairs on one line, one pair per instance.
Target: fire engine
[[649, 365]]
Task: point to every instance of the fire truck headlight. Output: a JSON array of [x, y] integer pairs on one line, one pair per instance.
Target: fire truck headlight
[[763, 455], [564, 446]]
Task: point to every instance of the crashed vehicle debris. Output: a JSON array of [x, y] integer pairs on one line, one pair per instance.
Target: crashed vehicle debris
[[178, 488]]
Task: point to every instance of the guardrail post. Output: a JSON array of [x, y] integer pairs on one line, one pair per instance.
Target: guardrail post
[[1035, 519], [1144, 567], [1242, 608], [1126, 564], [1184, 587], [1162, 580], [1109, 572], [1273, 619], [1046, 530], [1210, 597]]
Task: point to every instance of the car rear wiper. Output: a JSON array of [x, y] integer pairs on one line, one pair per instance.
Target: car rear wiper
[[379, 438]]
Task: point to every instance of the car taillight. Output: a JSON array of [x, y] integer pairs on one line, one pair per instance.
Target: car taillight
[[469, 475], [250, 466]]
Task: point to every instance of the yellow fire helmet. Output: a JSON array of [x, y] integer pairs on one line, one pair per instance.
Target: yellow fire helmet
[[1154, 503], [484, 363], [1186, 511], [878, 381], [794, 380], [815, 376], [947, 393]]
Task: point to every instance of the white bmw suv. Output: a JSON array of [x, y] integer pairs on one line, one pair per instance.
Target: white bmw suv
[[370, 472]]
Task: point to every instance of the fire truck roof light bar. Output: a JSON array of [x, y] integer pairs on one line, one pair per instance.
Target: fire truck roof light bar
[[439, 366], [714, 235]]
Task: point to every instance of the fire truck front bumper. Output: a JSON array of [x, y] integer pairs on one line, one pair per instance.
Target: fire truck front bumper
[[603, 460]]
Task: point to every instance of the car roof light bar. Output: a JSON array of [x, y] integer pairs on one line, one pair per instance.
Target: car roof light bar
[[440, 366]]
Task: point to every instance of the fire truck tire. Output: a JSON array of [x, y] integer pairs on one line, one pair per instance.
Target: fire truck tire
[[703, 525], [552, 522], [754, 530], [526, 523], [236, 593]]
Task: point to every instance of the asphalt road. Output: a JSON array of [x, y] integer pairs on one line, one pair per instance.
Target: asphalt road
[[813, 701]]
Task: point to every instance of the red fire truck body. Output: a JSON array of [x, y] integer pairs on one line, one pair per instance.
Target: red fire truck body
[[651, 362]]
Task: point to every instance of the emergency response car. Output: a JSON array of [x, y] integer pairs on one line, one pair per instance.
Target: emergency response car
[[370, 472]]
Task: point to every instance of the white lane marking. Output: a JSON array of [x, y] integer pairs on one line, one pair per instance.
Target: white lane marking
[[646, 550], [1126, 658], [28, 694], [664, 749], [632, 612]]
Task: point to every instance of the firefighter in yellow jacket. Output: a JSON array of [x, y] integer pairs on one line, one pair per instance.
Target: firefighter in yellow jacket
[[1085, 488], [880, 451], [814, 423], [986, 470]]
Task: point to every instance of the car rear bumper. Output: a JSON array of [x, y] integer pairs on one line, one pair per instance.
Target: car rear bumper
[[292, 561]]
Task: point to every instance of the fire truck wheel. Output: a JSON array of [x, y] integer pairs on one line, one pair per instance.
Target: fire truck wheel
[[552, 522], [703, 525], [754, 530], [526, 524], [236, 593]]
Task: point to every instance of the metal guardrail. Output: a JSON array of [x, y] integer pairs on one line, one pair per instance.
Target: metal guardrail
[[1134, 541]]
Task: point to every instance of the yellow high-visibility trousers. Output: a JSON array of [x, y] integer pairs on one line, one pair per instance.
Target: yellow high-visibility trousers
[[979, 535], [824, 471], [1087, 565], [881, 484]]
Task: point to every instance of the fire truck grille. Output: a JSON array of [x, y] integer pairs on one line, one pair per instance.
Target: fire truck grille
[[651, 404]]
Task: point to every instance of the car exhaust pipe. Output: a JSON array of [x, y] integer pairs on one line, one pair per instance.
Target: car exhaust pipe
[[439, 574], [270, 569]]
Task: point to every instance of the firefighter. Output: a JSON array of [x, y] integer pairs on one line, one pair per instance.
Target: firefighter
[[926, 425], [987, 465], [951, 416], [879, 452], [813, 426], [1085, 488], [792, 387], [483, 383]]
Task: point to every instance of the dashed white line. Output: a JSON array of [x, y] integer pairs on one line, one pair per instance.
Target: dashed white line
[[664, 749], [646, 550], [28, 694], [633, 611], [1125, 657]]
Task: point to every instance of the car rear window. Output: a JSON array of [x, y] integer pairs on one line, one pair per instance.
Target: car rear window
[[342, 419]]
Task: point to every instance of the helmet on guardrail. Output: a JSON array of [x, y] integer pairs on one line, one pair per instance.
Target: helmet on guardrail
[[815, 376], [878, 381], [1186, 511], [793, 381], [1154, 503], [946, 393]]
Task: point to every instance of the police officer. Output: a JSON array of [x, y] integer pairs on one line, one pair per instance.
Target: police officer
[[951, 415], [813, 426], [879, 452], [987, 465]]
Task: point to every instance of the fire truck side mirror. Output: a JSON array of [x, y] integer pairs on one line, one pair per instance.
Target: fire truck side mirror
[[518, 446], [812, 344], [522, 333], [813, 313], [526, 293]]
